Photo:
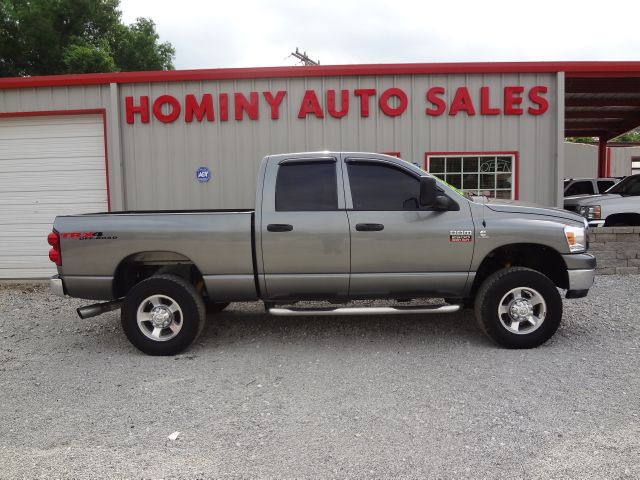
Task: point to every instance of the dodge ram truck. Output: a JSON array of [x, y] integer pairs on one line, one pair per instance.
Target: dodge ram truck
[[330, 227]]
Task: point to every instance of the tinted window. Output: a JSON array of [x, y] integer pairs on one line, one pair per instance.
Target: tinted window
[[580, 188], [379, 187], [307, 187], [628, 186], [604, 185]]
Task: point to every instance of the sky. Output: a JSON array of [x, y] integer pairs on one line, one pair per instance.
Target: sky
[[252, 33]]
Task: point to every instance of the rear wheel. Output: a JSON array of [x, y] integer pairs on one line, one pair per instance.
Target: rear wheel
[[162, 315], [518, 307]]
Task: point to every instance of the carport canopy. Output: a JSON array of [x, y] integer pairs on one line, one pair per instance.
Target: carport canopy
[[602, 99]]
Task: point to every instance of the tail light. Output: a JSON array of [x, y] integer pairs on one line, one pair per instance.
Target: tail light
[[54, 254]]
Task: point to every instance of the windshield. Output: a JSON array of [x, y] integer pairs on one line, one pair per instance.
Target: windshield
[[628, 186]]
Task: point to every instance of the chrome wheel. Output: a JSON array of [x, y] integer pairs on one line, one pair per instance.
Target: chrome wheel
[[522, 310], [159, 317]]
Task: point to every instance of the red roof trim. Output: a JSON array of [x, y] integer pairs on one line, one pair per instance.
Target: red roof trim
[[606, 69]]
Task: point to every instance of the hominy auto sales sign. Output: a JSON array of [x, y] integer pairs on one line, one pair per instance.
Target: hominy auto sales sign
[[392, 102]]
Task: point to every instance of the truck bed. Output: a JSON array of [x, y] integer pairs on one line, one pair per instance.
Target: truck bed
[[218, 242]]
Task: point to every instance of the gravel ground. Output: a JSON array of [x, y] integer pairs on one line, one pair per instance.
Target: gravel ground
[[344, 397]]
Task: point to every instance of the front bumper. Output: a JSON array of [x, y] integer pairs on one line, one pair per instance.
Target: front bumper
[[56, 286], [596, 223], [581, 270]]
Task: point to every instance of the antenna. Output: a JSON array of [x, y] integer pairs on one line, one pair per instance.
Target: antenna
[[304, 58]]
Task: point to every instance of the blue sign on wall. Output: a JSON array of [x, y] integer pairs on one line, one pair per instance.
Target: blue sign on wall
[[203, 174]]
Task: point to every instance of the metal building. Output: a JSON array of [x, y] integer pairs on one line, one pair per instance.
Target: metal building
[[194, 139]]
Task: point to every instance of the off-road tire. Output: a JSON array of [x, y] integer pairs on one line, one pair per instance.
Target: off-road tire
[[496, 286], [185, 295]]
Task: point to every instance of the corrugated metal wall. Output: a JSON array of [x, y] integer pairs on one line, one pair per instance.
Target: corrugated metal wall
[[155, 163], [581, 160], [160, 159]]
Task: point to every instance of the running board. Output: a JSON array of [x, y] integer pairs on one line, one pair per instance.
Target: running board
[[329, 311]]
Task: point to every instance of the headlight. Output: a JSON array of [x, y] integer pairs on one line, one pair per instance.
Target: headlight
[[576, 238], [590, 212]]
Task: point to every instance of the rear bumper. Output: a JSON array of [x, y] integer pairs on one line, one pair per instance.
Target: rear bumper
[[581, 270], [56, 285]]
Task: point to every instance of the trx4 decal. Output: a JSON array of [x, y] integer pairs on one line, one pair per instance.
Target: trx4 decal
[[87, 236]]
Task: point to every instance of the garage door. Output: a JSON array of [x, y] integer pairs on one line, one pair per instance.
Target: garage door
[[49, 165]]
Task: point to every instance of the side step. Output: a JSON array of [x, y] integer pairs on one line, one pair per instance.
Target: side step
[[329, 311]]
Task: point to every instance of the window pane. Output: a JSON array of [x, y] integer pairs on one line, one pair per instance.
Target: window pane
[[470, 164], [503, 164], [488, 164], [380, 187], [503, 180], [487, 181], [503, 194], [454, 164], [454, 180], [580, 188], [470, 181], [604, 185], [436, 164], [307, 187]]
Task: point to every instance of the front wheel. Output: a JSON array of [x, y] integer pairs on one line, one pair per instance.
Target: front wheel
[[518, 307], [162, 315]]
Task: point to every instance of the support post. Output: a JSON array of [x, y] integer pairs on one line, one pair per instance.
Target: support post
[[602, 156]]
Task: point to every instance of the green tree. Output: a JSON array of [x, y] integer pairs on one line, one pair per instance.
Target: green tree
[[45, 37]]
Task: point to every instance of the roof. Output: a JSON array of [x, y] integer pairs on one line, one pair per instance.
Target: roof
[[601, 98], [601, 106], [581, 69]]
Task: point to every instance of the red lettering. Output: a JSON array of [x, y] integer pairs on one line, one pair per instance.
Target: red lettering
[[462, 101], [541, 102], [241, 105], [364, 94], [344, 103], [388, 109], [274, 103], [173, 113], [310, 104], [142, 109], [438, 103], [199, 110], [224, 107], [512, 97], [485, 103]]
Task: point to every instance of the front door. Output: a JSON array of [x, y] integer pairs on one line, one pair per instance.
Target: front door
[[399, 249], [304, 230]]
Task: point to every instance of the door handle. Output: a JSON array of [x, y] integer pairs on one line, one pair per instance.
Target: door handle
[[369, 227], [279, 227]]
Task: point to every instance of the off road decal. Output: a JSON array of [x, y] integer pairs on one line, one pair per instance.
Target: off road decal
[[460, 236], [87, 236]]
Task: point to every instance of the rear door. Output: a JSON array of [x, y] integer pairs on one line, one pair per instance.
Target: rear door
[[399, 249], [304, 229]]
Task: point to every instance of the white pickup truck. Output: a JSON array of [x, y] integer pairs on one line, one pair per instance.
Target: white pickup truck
[[619, 206]]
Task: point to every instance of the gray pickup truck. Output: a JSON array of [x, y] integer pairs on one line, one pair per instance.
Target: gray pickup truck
[[328, 227]]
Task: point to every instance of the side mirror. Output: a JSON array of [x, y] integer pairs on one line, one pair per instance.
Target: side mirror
[[427, 191], [441, 203]]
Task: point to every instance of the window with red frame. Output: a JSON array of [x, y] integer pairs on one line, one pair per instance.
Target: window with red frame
[[478, 174]]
